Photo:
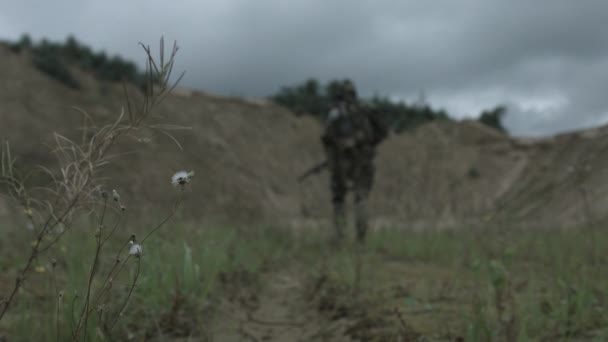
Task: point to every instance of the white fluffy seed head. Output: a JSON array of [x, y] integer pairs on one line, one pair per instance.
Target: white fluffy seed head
[[135, 250], [182, 177]]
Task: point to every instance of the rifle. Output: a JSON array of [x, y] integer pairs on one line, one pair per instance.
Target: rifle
[[313, 170]]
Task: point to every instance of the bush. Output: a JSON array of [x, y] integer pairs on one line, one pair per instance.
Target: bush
[[307, 98], [493, 117], [310, 98], [51, 65], [54, 58]]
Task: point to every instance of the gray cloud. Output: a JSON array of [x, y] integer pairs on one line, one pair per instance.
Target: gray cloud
[[546, 59]]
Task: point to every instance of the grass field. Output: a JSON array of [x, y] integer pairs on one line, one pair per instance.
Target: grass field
[[267, 283], [82, 271]]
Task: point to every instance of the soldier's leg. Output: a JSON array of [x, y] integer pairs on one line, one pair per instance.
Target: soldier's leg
[[363, 186], [361, 217], [338, 189]]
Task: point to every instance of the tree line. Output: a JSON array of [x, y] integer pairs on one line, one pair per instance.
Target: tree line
[[56, 59], [311, 97]]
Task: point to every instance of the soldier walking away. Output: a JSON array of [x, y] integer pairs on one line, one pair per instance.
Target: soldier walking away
[[350, 139]]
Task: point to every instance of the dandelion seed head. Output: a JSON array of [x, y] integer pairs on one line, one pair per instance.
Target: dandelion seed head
[[135, 250], [182, 177]]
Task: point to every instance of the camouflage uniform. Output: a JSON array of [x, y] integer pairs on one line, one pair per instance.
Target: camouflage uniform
[[350, 140]]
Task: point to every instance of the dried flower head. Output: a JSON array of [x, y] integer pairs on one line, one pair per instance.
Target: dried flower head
[[135, 249], [181, 178], [116, 196], [102, 192]]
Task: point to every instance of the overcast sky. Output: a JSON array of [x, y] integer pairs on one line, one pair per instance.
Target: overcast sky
[[546, 59]]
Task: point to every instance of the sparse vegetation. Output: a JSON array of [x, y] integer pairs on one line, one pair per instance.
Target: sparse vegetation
[[76, 190], [221, 283]]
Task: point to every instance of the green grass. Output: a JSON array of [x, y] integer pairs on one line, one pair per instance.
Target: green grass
[[474, 284], [551, 283]]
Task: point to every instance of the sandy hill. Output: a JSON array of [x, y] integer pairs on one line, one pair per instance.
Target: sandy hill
[[247, 154]]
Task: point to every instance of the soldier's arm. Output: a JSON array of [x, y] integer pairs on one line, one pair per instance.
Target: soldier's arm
[[327, 137], [380, 130]]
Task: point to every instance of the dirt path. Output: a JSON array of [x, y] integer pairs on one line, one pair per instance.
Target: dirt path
[[292, 303], [283, 309]]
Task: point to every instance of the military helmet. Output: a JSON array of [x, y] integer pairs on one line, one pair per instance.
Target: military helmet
[[345, 91], [348, 90]]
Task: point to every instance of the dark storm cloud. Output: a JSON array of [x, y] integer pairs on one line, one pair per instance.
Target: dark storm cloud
[[546, 59]]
